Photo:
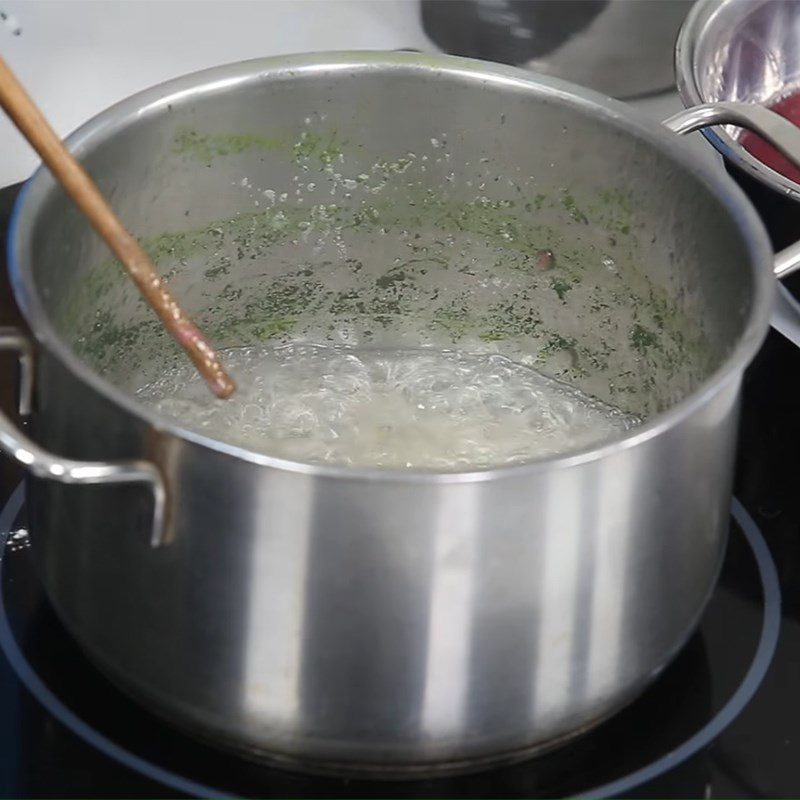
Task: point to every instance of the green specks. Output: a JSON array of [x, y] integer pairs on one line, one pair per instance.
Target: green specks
[[617, 198], [110, 341], [273, 329], [565, 348], [220, 265], [324, 148], [242, 330], [355, 265], [245, 236], [388, 260], [494, 336], [538, 201], [568, 201], [170, 245], [365, 217], [98, 284], [386, 169], [662, 309], [285, 297], [560, 287], [555, 342], [271, 312], [513, 318], [454, 318], [390, 278], [643, 339], [347, 301], [230, 293], [614, 209], [206, 147]]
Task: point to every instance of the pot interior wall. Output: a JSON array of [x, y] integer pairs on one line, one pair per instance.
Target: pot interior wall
[[365, 206]]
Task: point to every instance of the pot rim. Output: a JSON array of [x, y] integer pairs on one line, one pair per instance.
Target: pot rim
[[698, 19], [156, 99]]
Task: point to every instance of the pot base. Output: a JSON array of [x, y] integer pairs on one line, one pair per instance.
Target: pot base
[[405, 772], [377, 771]]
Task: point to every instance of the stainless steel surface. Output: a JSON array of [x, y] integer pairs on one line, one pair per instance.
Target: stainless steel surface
[[787, 261], [42, 464], [781, 133], [778, 131], [383, 620], [15, 341], [744, 51], [620, 47]]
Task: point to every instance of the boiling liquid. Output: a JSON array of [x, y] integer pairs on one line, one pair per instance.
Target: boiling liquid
[[425, 409]]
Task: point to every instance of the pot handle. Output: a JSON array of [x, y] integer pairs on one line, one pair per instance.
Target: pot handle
[[44, 464], [779, 132]]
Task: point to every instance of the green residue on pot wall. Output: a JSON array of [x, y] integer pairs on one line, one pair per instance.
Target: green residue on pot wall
[[108, 337], [568, 201], [259, 328], [613, 209], [511, 319], [454, 318], [325, 148], [643, 339], [206, 147], [560, 287], [394, 257]]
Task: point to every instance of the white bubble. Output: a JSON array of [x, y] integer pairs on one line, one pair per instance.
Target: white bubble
[[422, 408], [609, 263]]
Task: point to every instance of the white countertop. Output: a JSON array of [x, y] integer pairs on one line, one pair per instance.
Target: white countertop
[[77, 57]]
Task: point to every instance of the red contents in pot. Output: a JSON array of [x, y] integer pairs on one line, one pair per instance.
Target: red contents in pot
[[789, 107]]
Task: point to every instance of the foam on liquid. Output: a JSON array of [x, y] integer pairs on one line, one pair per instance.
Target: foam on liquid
[[425, 409]]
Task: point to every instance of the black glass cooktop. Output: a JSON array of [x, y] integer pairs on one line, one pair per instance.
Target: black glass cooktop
[[721, 721]]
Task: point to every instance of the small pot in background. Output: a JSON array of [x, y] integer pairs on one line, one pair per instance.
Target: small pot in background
[[745, 51]]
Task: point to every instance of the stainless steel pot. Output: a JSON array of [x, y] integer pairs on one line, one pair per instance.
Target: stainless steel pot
[[385, 620], [744, 51]]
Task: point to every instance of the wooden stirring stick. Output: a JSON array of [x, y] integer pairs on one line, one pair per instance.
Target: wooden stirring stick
[[84, 192]]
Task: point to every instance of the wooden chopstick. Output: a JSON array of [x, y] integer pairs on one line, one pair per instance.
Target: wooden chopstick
[[84, 192]]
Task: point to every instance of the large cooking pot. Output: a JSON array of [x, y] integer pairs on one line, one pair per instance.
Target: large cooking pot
[[387, 620]]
